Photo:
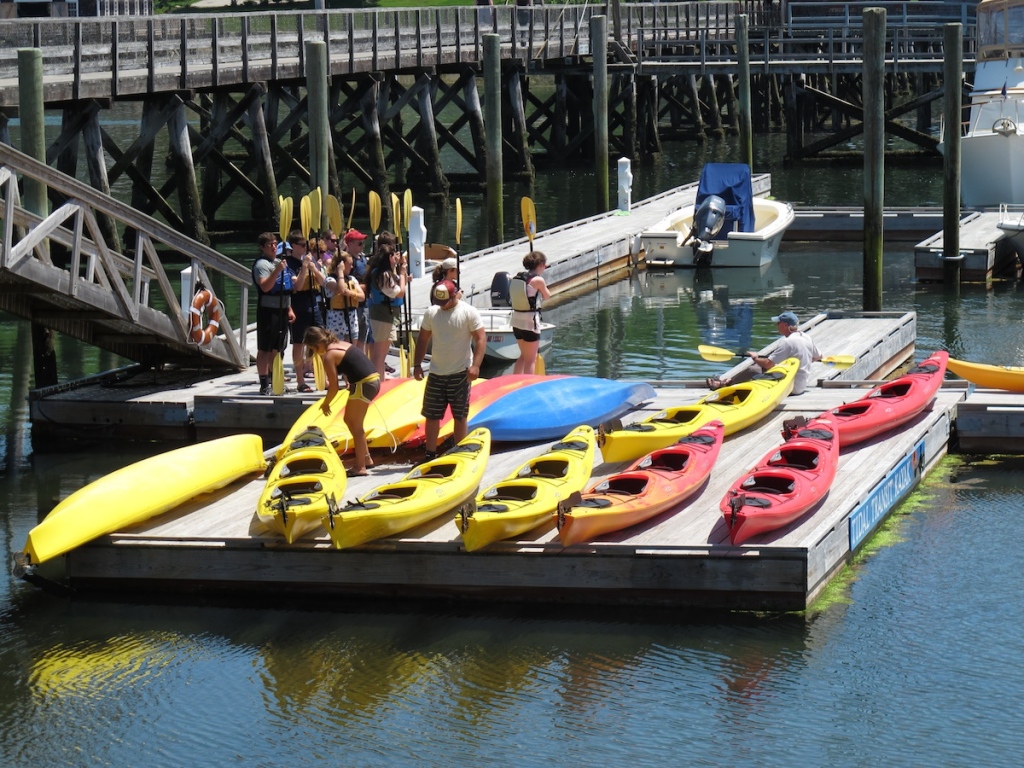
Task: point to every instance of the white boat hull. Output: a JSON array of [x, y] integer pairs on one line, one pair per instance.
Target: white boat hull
[[501, 341], [665, 243]]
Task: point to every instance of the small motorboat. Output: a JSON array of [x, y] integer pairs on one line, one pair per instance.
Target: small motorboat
[[786, 483], [1006, 377], [429, 491], [725, 227], [890, 404], [529, 497], [737, 406], [659, 481], [501, 342]]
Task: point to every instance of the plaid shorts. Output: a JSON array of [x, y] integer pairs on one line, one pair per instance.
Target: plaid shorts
[[443, 391]]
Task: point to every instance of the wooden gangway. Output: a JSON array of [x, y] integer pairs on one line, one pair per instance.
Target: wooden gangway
[[59, 271]]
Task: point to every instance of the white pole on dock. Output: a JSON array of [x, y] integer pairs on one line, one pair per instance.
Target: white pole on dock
[[599, 50], [953, 72], [743, 51], [874, 154], [492, 123]]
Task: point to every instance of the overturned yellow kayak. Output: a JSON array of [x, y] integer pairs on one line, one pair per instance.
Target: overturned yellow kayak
[[737, 406], [430, 490], [529, 496], [1007, 377], [307, 479], [142, 490]]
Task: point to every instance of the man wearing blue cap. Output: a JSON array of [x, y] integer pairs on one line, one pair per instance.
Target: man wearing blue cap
[[794, 343]]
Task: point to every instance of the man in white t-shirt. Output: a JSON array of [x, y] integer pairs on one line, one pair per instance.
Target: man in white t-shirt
[[457, 331]]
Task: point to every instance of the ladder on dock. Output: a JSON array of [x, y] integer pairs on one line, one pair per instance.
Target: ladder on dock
[[59, 271]]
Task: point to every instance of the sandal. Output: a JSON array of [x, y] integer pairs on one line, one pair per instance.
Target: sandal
[[713, 382], [304, 388], [351, 472]]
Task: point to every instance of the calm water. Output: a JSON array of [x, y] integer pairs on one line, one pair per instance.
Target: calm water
[[910, 660]]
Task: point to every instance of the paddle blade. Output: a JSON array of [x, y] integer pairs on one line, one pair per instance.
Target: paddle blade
[[285, 224], [319, 375], [458, 221], [334, 215], [539, 368], [316, 210], [351, 211], [397, 213], [716, 354], [374, 212], [403, 363], [304, 215], [529, 214], [277, 376], [839, 361], [407, 208]]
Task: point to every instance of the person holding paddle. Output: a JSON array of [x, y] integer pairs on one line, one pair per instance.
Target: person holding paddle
[[524, 291], [387, 281], [794, 343]]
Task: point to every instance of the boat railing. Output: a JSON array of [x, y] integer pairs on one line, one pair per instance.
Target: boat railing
[[1011, 213]]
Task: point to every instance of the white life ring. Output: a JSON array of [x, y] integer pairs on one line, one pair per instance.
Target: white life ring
[[1004, 126], [205, 301]]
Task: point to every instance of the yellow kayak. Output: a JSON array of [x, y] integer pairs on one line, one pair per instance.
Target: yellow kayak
[[430, 490], [302, 486], [143, 490], [333, 426], [1007, 377], [529, 496], [737, 406]]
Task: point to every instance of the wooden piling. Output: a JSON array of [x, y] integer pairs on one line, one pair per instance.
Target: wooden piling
[[319, 125], [427, 141], [492, 120], [264, 162], [953, 68], [743, 51], [599, 50], [193, 218], [874, 154], [376, 166], [95, 159]]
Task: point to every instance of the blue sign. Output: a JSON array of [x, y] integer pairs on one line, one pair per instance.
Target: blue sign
[[886, 495]]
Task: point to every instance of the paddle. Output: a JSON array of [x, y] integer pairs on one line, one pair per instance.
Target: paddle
[[403, 361], [334, 215], [458, 240], [410, 348], [720, 355], [319, 374], [305, 215], [351, 211], [316, 211], [277, 375], [529, 213], [285, 222]]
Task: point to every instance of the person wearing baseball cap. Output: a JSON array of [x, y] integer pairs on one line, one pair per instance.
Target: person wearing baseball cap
[[353, 245], [794, 343], [459, 341]]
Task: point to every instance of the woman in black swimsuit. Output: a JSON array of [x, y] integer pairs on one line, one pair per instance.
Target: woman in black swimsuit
[[342, 359]]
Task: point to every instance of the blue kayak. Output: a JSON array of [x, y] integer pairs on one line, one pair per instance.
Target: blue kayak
[[550, 408]]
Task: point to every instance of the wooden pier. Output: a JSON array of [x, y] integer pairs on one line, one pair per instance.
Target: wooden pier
[[986, 251]]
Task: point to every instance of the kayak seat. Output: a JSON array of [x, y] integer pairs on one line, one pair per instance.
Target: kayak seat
[[898, 389], [551, 469], [768, 484], [511, 493], [396, 492], [569, 445], [468, 448], [305, 466], [629, 486], [440, 470], [795, 459], [668, 461], [682, 416]]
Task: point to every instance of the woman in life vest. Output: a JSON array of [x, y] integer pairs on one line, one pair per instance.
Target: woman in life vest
[[387, 281], [524, 291], [344, 295]]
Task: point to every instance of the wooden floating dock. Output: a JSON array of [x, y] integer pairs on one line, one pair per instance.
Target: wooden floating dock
[[986, 251], [214, 544]]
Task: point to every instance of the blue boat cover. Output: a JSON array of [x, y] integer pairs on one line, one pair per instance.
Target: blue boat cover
[[731, 182]]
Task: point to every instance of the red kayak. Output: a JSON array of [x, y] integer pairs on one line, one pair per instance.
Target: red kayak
[[786, 483], [659, 481], [893, 403]]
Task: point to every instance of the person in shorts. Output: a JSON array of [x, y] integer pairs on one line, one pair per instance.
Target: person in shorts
[[459, 341], [274, 282]]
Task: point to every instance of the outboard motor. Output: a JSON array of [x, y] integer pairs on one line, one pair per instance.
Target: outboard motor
[[501, 295], [707, 222]]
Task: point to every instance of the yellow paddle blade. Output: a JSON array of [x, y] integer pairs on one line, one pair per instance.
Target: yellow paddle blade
[[351, 211], [839, 361], [334, 217], [458, 221], [540, 369], [407, 208], [374, 212], [316, 210], [305, 215], [529, 214], [403, 363], [285, 224], [397, 212], [319, 375], [277, 377], [412, 350], [716, 354]]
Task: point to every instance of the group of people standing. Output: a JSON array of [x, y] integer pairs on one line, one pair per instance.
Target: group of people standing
[[346, 308]]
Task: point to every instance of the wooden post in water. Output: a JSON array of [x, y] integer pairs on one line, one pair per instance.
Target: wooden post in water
[[33, 143], [953, 70], [874, 154], [599, 50], [180, 150], [492, 122], [319, 125], [743, 51], [264, 160]]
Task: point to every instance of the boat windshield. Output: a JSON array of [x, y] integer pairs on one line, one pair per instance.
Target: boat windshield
[[1000, 29]]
